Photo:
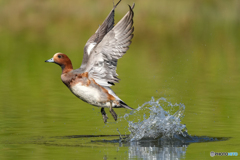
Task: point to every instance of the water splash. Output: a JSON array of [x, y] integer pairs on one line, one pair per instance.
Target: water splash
[[161, 119]]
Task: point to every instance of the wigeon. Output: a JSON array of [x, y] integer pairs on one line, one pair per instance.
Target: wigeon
[[91, 82]]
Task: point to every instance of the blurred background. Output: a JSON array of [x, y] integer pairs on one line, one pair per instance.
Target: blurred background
[[186, 51]]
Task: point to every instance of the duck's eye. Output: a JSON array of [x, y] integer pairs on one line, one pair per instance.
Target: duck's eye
[[59, 56]]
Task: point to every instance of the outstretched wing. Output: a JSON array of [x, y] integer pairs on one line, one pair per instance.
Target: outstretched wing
[[97, 37], [102, 62]]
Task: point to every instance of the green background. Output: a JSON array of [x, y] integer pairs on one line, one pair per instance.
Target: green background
[[186, 51]]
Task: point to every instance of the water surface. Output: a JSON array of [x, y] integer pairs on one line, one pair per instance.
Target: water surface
[[186, 52]]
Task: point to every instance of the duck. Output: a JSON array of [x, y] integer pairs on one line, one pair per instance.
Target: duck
[[91, 82]]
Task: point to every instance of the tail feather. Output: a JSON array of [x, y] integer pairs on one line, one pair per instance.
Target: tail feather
[[124, 105]]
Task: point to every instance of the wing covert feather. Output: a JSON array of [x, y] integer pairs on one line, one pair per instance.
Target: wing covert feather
[[102, 62], [97, 37]]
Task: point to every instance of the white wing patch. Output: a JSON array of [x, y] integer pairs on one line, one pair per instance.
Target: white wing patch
[[90, 47]]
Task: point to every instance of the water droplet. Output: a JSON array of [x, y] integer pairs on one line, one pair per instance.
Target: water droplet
[[151, 120]]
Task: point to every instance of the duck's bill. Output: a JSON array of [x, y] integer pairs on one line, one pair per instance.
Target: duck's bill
[[50, 60]]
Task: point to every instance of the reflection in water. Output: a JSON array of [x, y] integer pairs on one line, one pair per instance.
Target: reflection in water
[[163, 120], [149, 151], [166, 147], [163, 148], [159, 134]]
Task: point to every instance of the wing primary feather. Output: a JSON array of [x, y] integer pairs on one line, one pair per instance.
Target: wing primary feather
[[114, 6], [102, 62], [97, 37], [133, 6]]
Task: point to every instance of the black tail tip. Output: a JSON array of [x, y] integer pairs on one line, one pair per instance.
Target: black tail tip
[[124, 105]]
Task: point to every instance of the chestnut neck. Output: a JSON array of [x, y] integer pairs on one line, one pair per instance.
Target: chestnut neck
[[66, 67]]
